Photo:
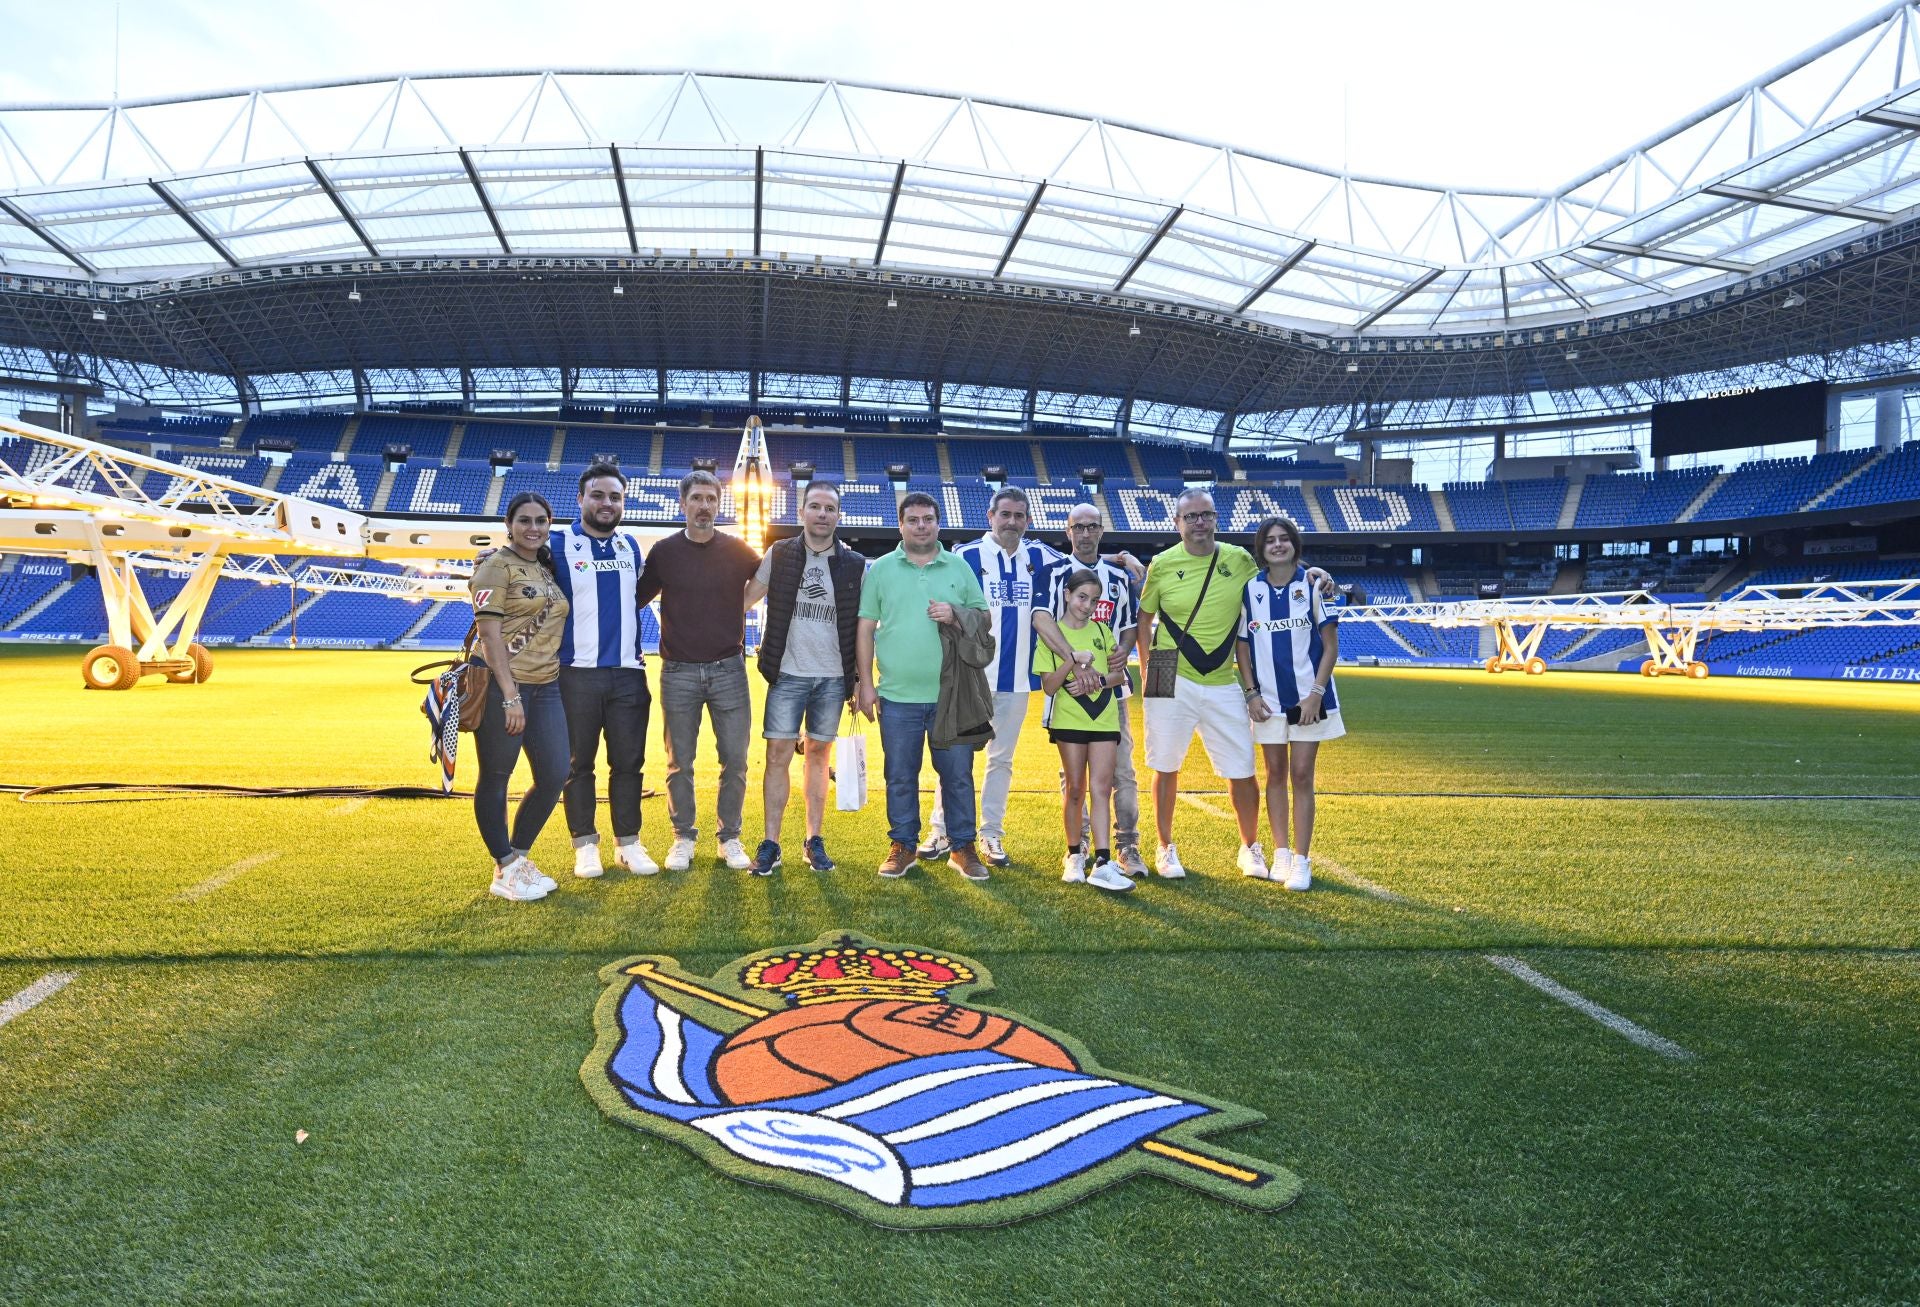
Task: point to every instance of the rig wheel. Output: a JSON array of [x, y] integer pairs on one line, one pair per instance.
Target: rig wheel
[[1493, 665], [1697, 671], [201, 670], [110, 667], [1536, 666]]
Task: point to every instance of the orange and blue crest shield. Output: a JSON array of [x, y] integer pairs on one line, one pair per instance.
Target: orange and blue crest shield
[[850, 1072]]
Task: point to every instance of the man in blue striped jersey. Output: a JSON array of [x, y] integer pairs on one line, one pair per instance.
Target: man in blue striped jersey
[[603, 675], [1016, 575]]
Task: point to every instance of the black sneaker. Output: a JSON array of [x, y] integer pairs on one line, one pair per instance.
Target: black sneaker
[[817, 854], [766, 858]]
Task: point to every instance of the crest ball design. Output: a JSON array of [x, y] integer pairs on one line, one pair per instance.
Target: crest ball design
[[812, 1048]]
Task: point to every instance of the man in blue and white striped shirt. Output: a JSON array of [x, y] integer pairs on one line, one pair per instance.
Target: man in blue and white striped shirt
[[603, 675], [1016, 575]]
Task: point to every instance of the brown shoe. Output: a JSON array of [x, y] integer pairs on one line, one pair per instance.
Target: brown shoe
[[899, 858], [966, 862]]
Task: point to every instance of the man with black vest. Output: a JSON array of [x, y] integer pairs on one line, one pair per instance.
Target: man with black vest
[[812, 586]]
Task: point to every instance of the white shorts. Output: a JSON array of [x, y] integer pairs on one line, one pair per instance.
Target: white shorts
[[1277, 730], [1216, 713]]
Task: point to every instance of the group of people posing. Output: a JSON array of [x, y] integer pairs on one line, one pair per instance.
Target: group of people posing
[[944, 648]]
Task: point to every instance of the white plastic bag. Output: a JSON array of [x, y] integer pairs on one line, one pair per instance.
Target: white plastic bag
[[850, 767]]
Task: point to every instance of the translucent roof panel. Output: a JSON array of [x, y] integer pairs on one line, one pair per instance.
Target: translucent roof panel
[[610, 163]]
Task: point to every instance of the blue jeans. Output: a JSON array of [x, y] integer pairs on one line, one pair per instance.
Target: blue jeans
[[545, 740], [721, 689], [904, 728], [816, 700]]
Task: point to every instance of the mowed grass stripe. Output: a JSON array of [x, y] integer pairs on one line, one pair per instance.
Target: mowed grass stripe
[[1613, 1021], [35, 994]]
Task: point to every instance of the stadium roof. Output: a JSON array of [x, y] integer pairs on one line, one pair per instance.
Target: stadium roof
[[760, 220]]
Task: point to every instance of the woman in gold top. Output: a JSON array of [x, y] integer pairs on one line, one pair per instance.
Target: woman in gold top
[[519, 612]]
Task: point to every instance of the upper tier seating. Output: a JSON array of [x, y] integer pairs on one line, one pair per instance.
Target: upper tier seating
[[1631, 498], [1377, 508], [1893, 479]]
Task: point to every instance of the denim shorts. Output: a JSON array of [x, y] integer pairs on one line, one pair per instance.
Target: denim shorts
[[819, 699]]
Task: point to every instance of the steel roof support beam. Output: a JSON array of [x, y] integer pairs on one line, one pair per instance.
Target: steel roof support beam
[[1397, 300], [60, 247], [1020, 229], [199, 228], [486, 205], [626, 205], [759, 194], [360, 233], [1691, 260], [1273, 279], [893, 202], [1159, 233], [1794, 202], [1565, 289]]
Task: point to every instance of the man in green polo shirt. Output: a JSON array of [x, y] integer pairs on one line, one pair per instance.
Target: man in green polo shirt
[[1191, 603], [906, 595]]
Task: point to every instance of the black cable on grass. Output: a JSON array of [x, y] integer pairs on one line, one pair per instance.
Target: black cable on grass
[[76, 792], [134, 792]]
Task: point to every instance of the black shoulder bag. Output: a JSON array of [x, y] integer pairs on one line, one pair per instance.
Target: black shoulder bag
[[1163, 665]]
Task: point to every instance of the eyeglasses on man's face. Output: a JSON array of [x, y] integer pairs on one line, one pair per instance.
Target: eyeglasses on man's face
[[1195, 519]]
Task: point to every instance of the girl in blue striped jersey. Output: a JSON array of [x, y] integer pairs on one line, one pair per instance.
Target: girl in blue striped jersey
[[1289, 641]]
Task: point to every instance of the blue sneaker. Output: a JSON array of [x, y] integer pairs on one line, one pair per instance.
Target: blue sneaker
[[766, 858], [817, 854]]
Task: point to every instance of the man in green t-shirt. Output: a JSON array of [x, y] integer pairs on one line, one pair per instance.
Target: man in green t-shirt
[[1191, 604], [905, 598]]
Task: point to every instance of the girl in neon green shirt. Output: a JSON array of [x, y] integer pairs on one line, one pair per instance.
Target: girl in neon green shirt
[[1083, 720]]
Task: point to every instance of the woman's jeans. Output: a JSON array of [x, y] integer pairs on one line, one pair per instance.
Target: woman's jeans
[[545, 740]]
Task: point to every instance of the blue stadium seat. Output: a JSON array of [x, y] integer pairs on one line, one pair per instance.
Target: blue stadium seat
[[1378, 508], [429, 489], [1478, 505]]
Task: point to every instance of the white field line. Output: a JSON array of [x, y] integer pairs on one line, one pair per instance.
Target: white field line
[[1211, 809], [35, 994], [1639, 1034], [1334, 871], [221, 879], [348, 808]]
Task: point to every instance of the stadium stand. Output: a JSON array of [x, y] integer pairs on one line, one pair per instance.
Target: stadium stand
[[1893, 479], [531, 442], [1632, 498], [426, 436], [1377, 508], [968, 457], [1536, 503], [428, 489], [25, 583], [1478, 505]]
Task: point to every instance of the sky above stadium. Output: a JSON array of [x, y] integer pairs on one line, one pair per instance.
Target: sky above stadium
[[1468, 93]]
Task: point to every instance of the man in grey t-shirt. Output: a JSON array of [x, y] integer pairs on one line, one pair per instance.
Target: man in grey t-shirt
[[812, 587]]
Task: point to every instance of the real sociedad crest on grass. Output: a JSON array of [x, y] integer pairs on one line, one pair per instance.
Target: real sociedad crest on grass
[[849, 1071]]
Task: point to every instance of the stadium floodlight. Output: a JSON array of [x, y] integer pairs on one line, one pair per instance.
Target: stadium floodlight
[[353, 296], [1353, 365], [1793, 300], [1572, 354], [1133, 329], [99, 315], [892, 303], [618, 289]]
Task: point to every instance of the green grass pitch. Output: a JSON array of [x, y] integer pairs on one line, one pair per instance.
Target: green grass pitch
[[1462, 1137]]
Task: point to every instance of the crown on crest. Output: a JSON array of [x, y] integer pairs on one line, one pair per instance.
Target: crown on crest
[[836, 974]]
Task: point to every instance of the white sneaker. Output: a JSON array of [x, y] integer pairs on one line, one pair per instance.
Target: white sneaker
[[992, 852], [1300, 876], [511, 884], [635, 858], [680, 856], [586, 861], [536, 877], [1107, 876], [1253, 861], [1076, 868], [1170, 867], [735, 854]]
